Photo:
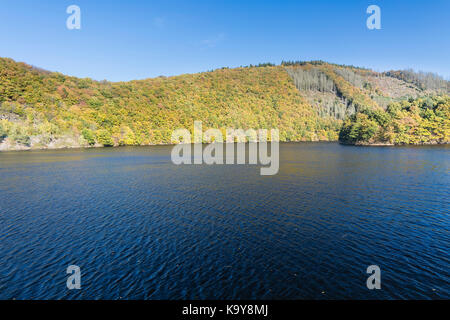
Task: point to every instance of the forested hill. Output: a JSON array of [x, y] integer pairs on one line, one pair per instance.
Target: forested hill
[[306, 101]]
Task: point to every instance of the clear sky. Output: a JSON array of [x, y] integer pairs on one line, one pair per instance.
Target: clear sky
[[124, 40]]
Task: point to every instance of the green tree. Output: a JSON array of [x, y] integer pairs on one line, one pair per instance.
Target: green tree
[[104, 138], [3, 133], [89, 136]]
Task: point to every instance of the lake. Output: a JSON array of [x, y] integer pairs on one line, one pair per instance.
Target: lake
[[140, 227]]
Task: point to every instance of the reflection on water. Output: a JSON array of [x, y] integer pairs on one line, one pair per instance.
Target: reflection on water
[[140, 227]]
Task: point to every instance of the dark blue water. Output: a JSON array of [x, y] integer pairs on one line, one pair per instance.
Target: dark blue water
[[142, 228]]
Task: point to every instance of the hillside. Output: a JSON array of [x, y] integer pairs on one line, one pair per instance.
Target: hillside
[[306, 101], [414, 121]]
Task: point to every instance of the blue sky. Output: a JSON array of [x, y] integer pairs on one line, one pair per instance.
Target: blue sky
[[124, 40]]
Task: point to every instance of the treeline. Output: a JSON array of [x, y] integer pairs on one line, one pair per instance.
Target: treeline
[[259, 65], [416, 121], [423, 80], [319, 63]]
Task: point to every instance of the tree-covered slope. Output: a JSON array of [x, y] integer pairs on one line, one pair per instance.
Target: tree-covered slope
[[340, 91], [419, 121], [306, 101], [45, 109]]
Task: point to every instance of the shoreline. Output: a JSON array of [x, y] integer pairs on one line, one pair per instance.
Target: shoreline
[[382, 144], [25, 148], [21, 148]]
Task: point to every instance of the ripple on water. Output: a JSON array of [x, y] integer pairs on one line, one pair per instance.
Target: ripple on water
[[142, 228]]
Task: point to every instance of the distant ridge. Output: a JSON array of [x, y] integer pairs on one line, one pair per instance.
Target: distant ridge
[[306, 101]]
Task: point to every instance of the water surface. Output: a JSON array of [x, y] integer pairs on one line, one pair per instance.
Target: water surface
[[142, 228]]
